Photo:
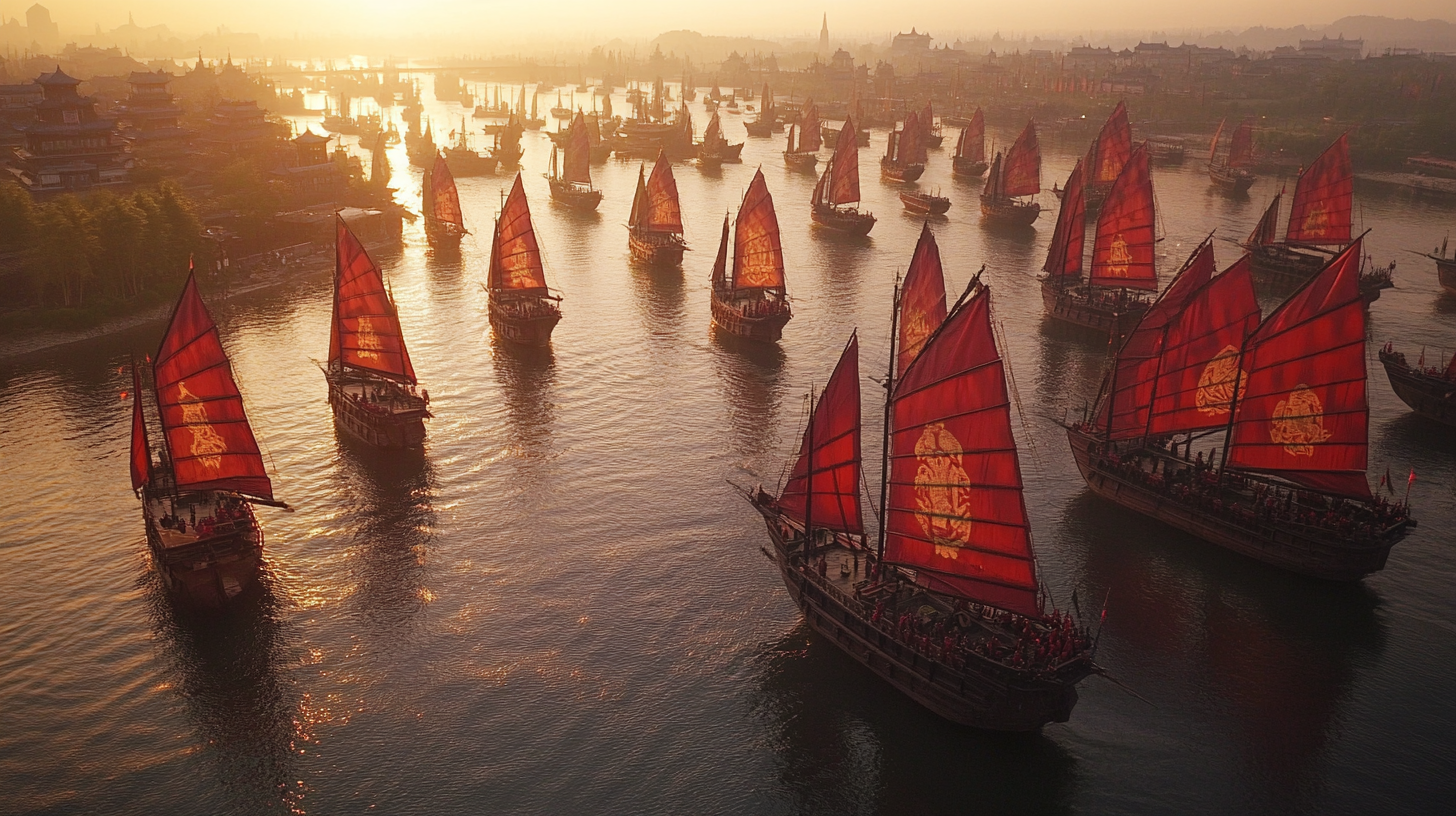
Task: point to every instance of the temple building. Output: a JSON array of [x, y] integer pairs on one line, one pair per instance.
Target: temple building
[[312, 176], [151, 116], [241, 128], [69, 147]]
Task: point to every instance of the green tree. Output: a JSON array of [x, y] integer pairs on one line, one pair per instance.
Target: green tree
[[119, 226], [60, 255]]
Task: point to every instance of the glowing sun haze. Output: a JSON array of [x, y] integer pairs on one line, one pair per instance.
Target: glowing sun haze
[[599, 20]]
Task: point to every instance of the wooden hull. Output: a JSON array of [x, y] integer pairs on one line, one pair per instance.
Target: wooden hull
[[1446, 274], [527, 321], [980, 693], [1282, 268], [922, 204], [1009, 213], [767, 328], [894, 172], [1075, 306], [965, 168], [371, 423], [801, 161], [213, 572], [657, 251], [443, 235], [935, 140], [468, 163], [1431, 396], [575, 197], [760, 128], [850, 222], [1231, 180], [1290, 547]]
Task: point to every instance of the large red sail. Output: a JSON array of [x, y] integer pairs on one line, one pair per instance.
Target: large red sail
[[1122, 254], [758, 253], [1114, 146], [844, 167], [1136, 368], [810, 136], [911, 147], [1301, 414], [1064, 256], [1241, 146], [576, 164], [366, 332], [956, 509], [1199, 366], [444, 198], [204, 426], [1217, 135], [515, 257], [927, 122], [1324, 197], [922, 301], [975, 138], [1021, 175], [664, 212], [824, 486], [141, 452], [1268, 227]]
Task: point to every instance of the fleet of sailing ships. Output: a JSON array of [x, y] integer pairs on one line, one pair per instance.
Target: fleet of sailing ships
[[1247, 430]]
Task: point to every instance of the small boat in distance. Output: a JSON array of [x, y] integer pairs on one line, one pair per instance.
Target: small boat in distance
[[197, 498], [571, 180], [946, 606], [444, 221], [920, 203], [768, 116], [1014, 179], [1429, 391], [1230, 172], [803, 154], [970, 152], [654, 228], [522, 308], [371, 380], [753, 301], [1165, 149], [1445, 267], [715, 149], [905, 156], [930, 131], [836, 199]]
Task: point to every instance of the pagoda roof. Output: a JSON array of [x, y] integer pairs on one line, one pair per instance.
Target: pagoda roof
[[309, 137], [57, 77]]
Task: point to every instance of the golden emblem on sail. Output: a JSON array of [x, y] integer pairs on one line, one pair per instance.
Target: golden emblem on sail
[[206, 444], [1299, 422], [1215, 394], [1118, 258], [917, 330], [942, 491], [367, 345], [1317, 220]]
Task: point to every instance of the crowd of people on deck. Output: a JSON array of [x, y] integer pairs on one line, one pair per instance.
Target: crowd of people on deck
[[525, 308], [1447, 373], [383, 399], [760, 307], [227, 512], [1251, 502]]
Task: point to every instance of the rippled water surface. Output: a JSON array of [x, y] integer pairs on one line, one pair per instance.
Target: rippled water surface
[[561, 606]]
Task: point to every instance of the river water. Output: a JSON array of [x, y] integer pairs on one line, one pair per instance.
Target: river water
[[561, 605]]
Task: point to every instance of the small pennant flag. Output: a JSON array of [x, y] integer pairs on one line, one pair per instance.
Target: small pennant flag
[[1412, 480], [123, 395]]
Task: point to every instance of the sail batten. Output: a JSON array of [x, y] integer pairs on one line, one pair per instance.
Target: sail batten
[[1123, 252], [204, 426], [1021, 171], [844, 167], [515, 257], [922, 301], [1241, 146], [824, 486], [444, 198], [1324, 198], [366, 332], [1114, 146], [758, 253]]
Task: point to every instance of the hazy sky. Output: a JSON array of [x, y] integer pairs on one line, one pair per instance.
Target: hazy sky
[[602, 19]]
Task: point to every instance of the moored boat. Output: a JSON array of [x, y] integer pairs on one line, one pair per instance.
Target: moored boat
[[1123, 254], [1288, 393], [1014, 180], [753, 301], [1429, 391], [715, 149], [768, 116], [946, 606], [1445, 267], [836, 198], [571, 179], [372, 384], [522, 308], [930, 130], [654, 228], [1165, 149], [463, 158], [440, 201], [920, 203], [970, 151], [198, 496], [904, 158], [1230, 171], [803, 154]]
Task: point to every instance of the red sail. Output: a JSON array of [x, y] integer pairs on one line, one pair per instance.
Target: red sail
[[1114, 146], [844, 167], [714, 134], [1137, 360], [1217, 134], [515, 257], [1022, 173], [1241, 147], [975, 138], [664, 213], [444, 198], [639, 202], [910, 149], [366, 332], [577, 161], [922, 300], [204, 426], [810, 135], [1122, 255], [1196, 376], [141, 452], [823, 488], [758, 253], [720, 263], [1323, 198], [1302, 413], [956, 509], [1064, 257], [1268, 227], [927, 122]]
